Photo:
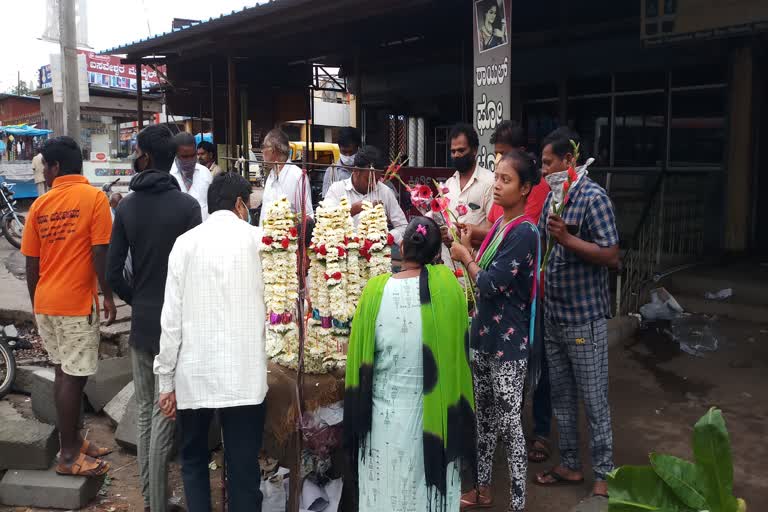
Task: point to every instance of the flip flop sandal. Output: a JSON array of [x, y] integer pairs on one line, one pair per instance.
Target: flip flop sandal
[[466, 504], [559, 480], [538, 454], [84, 466], [100, 451], [599, 495]]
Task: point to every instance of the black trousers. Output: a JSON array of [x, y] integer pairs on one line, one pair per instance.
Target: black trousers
[[243, 429]]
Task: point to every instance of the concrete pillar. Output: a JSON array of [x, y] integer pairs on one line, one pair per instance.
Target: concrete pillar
[[738, 169]]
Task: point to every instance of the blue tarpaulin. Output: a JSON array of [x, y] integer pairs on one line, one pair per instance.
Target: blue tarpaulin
[[21, 130]]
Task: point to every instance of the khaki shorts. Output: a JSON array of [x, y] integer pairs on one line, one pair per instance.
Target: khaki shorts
[[72, 342]]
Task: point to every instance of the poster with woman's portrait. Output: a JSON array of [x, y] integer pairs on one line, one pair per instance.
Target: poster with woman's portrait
[[492, 27]]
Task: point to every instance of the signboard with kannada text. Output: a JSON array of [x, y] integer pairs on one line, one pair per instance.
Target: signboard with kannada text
[[490, 31], [107, 71]]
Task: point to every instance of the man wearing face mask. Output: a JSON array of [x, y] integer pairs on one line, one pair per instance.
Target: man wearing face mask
[[192, 176], [349, 143], [212, 354], [470, 189], [136, 229]]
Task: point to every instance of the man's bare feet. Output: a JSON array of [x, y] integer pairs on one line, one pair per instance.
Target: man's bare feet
[[600, 488], [559, 476]]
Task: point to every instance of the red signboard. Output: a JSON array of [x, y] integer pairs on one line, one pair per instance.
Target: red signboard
[[108, 71]]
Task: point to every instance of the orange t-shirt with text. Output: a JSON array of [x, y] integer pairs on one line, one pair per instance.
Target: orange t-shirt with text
[[62, 227], [533, 206]]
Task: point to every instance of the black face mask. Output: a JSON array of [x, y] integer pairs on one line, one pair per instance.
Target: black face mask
[[464, 163]]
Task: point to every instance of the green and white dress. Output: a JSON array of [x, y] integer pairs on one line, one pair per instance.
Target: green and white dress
[[391, 471]]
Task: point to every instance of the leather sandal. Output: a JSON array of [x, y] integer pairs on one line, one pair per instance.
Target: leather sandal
[[84, 466], [473, 500], [94, 451]]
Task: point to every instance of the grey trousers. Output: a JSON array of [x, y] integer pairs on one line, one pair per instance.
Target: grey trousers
[[577, 356], [155, 434]]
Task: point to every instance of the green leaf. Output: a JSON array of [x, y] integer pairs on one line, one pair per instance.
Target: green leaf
[[639, 488], [684, 478], [712, 451]]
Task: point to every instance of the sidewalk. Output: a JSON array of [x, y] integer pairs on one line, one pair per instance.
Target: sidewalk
[[14, 297]]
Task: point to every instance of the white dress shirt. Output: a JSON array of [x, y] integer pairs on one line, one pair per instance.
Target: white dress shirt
[[201, 180], [381, 193], [477, 196], [212, 343], [287, 183]]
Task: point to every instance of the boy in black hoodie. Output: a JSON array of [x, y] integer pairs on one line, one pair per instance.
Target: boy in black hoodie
[[147, 223]]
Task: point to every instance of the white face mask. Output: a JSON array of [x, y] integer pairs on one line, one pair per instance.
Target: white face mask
[[347, 160]]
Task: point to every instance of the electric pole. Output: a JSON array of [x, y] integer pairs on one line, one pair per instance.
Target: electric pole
[[68, 43]]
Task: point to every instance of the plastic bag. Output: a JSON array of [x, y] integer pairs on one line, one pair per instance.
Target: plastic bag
[[695, 334], [273, 489], [663, 306]]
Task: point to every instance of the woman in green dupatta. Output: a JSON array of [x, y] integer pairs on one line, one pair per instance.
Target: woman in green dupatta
[[408, 406], [503, 333]]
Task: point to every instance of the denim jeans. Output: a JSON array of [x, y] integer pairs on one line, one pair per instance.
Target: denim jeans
[[243, 429], [542, 403]]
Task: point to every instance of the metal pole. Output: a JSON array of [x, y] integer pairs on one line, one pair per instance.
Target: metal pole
[[139, 98], [213, 116], [68, 44], [232, 107]]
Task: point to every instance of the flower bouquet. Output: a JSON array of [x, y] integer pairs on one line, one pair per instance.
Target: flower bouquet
[[560, 183]]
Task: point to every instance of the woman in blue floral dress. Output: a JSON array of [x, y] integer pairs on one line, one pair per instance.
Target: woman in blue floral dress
[[505, 276]]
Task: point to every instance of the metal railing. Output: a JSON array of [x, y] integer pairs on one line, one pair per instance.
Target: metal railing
[[671, 232]]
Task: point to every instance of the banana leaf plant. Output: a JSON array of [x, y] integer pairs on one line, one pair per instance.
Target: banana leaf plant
[[671, 484]]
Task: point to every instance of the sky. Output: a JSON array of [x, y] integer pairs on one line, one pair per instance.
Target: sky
[[110, 23]]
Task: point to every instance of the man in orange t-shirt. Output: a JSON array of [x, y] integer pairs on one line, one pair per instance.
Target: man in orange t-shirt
[[65, 241]]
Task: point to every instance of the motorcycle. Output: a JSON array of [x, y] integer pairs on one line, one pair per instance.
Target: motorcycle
[[9, 343], [11, 223]]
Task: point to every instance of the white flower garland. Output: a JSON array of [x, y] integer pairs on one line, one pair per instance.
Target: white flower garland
[[279, 270], [374, 235]]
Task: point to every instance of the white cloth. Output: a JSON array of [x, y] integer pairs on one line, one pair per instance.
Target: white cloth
[[381, 193], [201, 180], [38, 168], [212, 343], [477, 192], [287, 183]]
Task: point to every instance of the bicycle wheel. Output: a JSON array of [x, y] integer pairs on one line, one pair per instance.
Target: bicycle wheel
[[13, 230], [7, 369]]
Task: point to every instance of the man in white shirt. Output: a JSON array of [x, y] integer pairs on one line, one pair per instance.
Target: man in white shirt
[[349, 141], [284, 179], [364, 185], [470, 189], [212, 354], [193, 177]]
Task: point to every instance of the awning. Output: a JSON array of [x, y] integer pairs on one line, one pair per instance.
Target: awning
[[21, 130]]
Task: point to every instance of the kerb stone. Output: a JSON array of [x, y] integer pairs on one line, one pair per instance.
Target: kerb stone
[[24, 378], [115, 409], [110, 378], [125, 435], [43, 402], [46, 489], [26, 444]]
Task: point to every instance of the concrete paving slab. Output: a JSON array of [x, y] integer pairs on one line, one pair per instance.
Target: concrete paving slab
[[46, 489], [110, 378], [115, 409], [27, 444], [593, 504]]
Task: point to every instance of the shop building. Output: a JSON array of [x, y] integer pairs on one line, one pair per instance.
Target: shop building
[[667, 96]]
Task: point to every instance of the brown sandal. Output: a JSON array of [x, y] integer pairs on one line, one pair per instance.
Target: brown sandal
[[471, 500], [97, 452], [84, 466]]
